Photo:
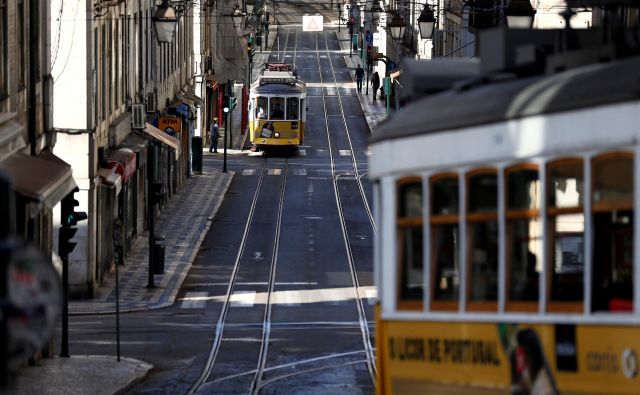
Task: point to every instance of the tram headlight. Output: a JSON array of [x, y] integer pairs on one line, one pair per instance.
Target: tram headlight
[[276, 134]]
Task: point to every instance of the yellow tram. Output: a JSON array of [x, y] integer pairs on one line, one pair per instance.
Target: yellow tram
[[508, 261], [277, 111]]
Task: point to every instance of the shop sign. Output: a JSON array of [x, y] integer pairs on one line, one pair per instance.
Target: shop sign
[[170, 125]]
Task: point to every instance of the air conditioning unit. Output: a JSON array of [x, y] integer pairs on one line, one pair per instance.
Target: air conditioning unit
[[137, 116], [151, 103]]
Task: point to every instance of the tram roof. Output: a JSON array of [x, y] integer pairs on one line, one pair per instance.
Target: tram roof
[[588, 86], [275, 89]]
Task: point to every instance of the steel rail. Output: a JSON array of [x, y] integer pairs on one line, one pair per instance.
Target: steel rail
[[215, 346], [266, 322], [364, 326]]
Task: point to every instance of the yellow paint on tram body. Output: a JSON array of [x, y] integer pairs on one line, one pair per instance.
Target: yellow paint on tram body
[[477, 358]]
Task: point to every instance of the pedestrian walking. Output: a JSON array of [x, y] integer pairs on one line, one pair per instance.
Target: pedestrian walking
[[375, 82], [359, 77], [214, 135]]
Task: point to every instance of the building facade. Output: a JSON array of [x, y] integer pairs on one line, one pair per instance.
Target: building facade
[[114, 84], [39, 179]]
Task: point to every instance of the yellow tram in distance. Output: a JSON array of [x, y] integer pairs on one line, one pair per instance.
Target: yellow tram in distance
[[277, 110]]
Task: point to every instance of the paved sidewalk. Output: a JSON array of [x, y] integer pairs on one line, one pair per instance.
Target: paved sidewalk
[[89, 374], [373, 112]]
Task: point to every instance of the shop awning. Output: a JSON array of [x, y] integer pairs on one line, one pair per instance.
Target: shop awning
[[137, 144], [124, 160], [110, 178], [163, 138], [192, 98], [46, 179]]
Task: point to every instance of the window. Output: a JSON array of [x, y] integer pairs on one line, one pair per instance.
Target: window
[[524, 237], [565, 194], [410, 242], [612, 204], [292, 108], [482, 231], [103, 72], [261, 108], [276, 109], [116, 80], [4, 46], [96, 63], [445, 240], [22, 45]]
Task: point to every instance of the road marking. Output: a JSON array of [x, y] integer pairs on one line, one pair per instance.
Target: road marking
[[243, 299], [371, 295], [274, 172], [345, 152], [194, 300], [299, 172], [249, 172], [302, 152]]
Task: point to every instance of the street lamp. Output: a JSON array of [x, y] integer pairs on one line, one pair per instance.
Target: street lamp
[[520, 14], [165, 21], [397, 26], [426, 22]]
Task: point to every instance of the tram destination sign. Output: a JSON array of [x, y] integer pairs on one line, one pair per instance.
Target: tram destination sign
[[277, 80]]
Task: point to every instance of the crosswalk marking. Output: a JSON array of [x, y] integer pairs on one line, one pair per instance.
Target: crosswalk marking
[[274, 172], [243, 299], [371, 295], [345, 152], [299, 172], [249, 172], [194, 300], [302, 152]]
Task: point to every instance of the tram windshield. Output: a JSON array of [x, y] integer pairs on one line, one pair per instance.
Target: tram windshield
[[293, 112], [261, 112], [276, 109]]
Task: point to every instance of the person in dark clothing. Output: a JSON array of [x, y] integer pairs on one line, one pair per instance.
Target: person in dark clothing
[[375, 83], [214, 135], [359, 77], [277, 112]]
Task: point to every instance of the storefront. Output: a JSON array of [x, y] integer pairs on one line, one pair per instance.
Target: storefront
[[40, 183]]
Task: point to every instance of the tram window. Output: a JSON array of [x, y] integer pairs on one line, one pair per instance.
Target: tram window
[[482, 228], [410, 242], [261, 112], [524, 234], [612, 197], [525, 242], [523, 189], [445, 240], [276, 109], [566, 234], [292, 108]]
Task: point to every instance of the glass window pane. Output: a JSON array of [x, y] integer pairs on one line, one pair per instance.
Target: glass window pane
[[292, 108], [525, 258], [484, 261], [410, 200], [445, 254], [613, 180], [613, 261], [523, 190], [565, 184], [410, 251], [445, 196], [567, 263], [483, 193], [276, 109], [261, 112]]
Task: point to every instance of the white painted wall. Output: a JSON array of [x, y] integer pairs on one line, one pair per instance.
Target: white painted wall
[[69, 61]]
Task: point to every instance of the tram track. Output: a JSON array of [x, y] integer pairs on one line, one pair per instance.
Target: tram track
[[364, 326], [226, 303]]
